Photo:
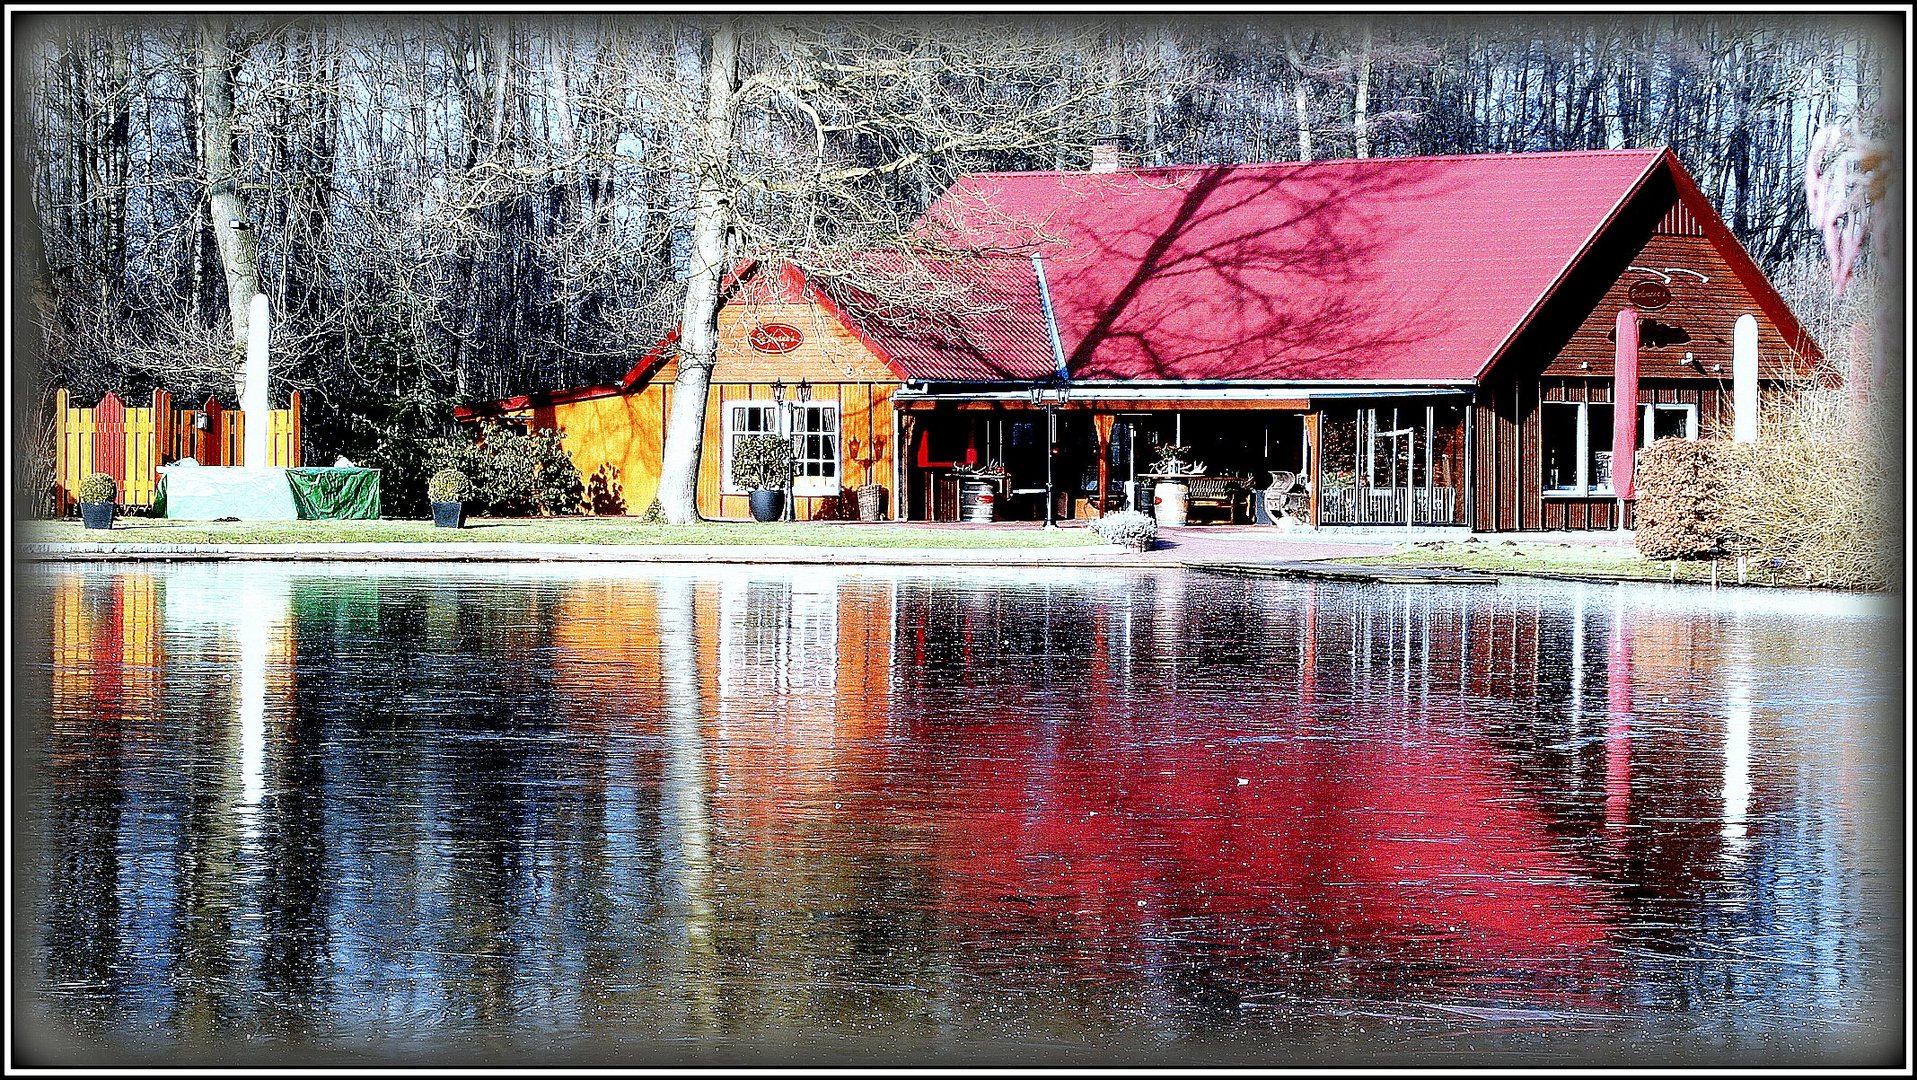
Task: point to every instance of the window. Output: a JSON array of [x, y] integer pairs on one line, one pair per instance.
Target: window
[[1668, 422], [744, 418], [1577, 447], [816, 427]]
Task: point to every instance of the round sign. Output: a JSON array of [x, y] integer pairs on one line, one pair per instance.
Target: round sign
[[1650, 295], [775, 337]]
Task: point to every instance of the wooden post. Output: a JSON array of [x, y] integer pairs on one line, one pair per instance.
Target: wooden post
[[907, 450], [1102, 423], [1314, 443], [61, 456], [212, 442], [295, 451], [109, 449]]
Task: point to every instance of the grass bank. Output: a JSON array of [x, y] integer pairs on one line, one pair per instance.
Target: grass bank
[[627, 531], [1583, 561]]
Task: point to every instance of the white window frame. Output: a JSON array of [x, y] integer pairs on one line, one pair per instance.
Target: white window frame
[[1690, 421], [802, 484], [1583, 489], [731, 434]]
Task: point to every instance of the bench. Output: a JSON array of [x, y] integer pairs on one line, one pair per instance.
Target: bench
[[1227, 493]]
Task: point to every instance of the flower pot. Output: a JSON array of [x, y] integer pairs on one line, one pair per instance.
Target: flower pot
[[1170, 501], [768, 504], [97, 515], [449, 515], [871, 502]]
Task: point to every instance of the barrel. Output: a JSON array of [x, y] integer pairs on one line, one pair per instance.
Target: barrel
[[977, 499], [1170, 499]]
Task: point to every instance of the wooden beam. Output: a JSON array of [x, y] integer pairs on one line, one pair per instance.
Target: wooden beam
[[1114, 405], [1102, 423]]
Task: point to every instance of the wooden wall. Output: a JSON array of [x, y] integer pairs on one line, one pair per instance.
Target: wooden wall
[[618, 441], [1569, 354]]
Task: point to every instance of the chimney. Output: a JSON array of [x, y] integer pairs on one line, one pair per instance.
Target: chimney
[[1113, 152]]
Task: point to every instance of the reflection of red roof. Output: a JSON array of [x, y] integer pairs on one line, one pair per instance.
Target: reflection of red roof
[[1394, 847], [1384, 268]]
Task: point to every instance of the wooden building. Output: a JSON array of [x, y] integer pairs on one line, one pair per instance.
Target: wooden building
[[1433, 337]]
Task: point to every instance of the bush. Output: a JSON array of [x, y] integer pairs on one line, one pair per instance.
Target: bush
[[449, 486], [514, 474], [99, 488], [1814, 500], [1681, 488], [1127, 527], [762, 461]]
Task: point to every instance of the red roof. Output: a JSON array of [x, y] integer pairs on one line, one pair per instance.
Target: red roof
[[1389, 269], [993, 330]]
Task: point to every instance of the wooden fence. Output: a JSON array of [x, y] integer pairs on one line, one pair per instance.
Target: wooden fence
[[131, 444]]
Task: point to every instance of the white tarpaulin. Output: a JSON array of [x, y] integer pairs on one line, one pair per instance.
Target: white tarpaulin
[[205, 493]]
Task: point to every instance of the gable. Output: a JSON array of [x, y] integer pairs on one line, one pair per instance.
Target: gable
[[1693, 281]]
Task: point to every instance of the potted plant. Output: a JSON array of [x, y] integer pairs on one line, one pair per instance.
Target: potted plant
[[1128, 529], [763, 464], [449, 489], [1171, 493], [98, 493]]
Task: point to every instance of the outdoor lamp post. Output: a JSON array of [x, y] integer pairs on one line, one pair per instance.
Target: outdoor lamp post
[[1050, 395], [795, 432]]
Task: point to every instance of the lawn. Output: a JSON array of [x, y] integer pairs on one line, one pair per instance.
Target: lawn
[[1598, 562], [134, 530]]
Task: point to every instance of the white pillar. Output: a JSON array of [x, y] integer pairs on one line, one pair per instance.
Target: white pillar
[[254, 400], [1744, 380]]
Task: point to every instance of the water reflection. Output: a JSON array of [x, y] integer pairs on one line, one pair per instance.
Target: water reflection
[[684, 815]]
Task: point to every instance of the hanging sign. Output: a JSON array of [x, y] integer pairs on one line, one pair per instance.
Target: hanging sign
[[1650, 295], [775, 337]]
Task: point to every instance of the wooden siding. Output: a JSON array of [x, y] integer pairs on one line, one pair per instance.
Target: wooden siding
[[618, 441], [1567, 353], [1707, 311], [1515, 414]]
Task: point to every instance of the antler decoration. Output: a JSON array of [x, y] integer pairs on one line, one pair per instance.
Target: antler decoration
[[1843, 176]]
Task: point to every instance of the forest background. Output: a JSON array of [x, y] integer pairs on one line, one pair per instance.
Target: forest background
[[454, 208]]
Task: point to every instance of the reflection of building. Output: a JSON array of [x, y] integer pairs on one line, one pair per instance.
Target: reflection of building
[[1432, 338]]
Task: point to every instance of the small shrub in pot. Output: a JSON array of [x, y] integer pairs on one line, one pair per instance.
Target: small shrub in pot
[[448, 490], [1127, 528], [98, 493], [762, 464]]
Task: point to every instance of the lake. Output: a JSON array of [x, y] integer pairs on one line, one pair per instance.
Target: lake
[[572, 814]]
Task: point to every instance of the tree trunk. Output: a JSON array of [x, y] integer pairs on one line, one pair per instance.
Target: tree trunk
[[1298, 94], [1361, 106], [239, 252], [698, 324]]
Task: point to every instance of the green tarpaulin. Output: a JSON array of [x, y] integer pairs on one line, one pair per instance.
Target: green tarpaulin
[[335, 493]]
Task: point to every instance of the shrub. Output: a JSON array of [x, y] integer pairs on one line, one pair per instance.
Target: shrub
[[762, 461], [449, 486], [513, 473], [99, 488], [1127, 527], [1814, 499], [1681, 488]]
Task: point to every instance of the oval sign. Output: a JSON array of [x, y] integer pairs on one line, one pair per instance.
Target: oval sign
[[774, 337], [1650, 295]]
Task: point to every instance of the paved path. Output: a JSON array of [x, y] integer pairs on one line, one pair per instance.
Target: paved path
[[1241, 549]]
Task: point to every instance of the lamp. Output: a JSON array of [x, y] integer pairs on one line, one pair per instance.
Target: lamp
[[1049, 394], [778, 392], [805, 390]]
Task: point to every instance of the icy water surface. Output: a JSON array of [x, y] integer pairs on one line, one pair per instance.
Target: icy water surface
[[539, 816]]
